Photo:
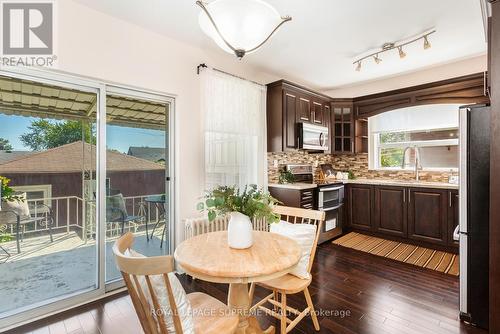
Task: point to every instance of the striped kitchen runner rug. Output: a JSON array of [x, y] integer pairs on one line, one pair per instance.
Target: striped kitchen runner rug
[[419, 256]]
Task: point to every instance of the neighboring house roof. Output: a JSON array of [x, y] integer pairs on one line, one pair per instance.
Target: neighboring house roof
[[69, 158], [6, 156], [147, 153]]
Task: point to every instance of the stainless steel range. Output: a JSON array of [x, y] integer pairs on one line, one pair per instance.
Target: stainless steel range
[[328, 197]]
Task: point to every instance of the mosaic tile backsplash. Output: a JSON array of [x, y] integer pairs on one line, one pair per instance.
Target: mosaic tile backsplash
[[356, 163]]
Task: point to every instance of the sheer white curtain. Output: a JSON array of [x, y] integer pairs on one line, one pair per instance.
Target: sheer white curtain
[[235, 130]]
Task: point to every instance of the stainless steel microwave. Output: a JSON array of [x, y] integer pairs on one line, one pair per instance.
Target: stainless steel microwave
[[313, 137]]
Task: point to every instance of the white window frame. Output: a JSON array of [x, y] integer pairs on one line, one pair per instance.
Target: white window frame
[[375, 146], [46, 188]]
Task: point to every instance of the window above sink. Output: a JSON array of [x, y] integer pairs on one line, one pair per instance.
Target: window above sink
[[432, 130]]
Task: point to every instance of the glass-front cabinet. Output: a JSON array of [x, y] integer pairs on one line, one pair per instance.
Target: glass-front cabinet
[[343, 127]]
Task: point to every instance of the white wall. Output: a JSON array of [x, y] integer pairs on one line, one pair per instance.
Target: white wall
[[436, 73], [97, 45]]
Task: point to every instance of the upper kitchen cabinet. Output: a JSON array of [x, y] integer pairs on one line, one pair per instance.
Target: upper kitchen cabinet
[[287, 105], [342, 118]]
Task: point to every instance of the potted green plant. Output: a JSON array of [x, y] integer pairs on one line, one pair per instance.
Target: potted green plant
[[242, 206], [10, 201]]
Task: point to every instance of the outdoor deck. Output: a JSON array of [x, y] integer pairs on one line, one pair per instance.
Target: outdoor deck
[[44, 269]]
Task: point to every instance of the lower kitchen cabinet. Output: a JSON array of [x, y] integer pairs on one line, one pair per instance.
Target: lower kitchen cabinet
[[428, 215], [390, 216], [422, 216], [360, 206], [294, 197], [453, 216]]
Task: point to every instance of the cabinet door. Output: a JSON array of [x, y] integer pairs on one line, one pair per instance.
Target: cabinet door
[[343, 129], [360, 206], [328, 123], [427, 215], [290, 103], [453, 216], [390, 211], [317, 113], [304, 109]]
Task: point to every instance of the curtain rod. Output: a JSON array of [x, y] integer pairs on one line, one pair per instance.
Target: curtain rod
[[203, 65]]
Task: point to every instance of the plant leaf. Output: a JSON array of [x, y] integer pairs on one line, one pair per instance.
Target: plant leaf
[[211, 215], [210, 202]]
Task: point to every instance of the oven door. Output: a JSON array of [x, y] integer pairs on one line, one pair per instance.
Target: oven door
[[330, 197], [332, 227]]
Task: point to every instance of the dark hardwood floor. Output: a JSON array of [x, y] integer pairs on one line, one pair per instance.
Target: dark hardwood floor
[[363, 293]]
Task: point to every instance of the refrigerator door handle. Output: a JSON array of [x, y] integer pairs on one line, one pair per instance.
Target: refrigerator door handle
[[456, 233], [462, 198]]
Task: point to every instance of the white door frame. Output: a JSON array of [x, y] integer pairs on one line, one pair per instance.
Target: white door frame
[[100, 87]]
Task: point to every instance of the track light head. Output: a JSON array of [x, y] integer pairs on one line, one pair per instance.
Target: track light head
[[427, 44], [358, 67], [402, 54], [377, 59]]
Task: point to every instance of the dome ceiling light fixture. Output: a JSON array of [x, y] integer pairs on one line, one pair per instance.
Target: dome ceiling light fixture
[[240, 26], [392, 46]]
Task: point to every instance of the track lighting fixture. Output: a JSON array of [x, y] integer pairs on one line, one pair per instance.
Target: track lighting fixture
[[402, 54], [427, 44], [399, 46]]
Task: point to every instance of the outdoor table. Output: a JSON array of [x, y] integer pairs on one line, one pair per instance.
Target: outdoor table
[[159, 202]]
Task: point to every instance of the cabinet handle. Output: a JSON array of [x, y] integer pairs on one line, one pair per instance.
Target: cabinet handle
[[449, 193], [404, 196], [409, 196]]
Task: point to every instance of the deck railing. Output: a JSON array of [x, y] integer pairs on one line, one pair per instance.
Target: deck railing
[[70, 213]]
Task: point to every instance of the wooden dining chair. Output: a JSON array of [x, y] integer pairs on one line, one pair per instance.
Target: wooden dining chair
[[209, 314], [290, 284]]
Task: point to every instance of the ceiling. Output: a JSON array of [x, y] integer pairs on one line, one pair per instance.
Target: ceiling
[[326, 36]]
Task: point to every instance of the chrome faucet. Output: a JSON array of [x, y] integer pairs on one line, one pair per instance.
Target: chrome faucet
[[418, 164]]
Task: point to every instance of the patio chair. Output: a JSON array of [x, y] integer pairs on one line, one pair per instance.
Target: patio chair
[[116, 212], [17, 216]]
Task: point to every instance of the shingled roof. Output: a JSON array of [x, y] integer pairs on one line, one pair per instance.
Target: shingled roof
[[70, 158], [154, 154]]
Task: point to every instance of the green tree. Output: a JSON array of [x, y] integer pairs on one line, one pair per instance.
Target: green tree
[[5, 145], [43, 134]]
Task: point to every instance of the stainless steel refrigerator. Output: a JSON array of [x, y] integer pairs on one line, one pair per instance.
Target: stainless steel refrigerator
[[474, 213]]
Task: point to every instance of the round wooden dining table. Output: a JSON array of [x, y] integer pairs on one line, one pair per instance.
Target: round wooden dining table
[[208, 257]]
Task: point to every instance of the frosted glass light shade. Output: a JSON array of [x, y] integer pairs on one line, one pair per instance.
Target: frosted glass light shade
[[244, 24]]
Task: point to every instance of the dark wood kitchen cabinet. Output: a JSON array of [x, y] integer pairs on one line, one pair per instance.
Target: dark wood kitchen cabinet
[[453, 216], [428, 215], [317, 114], [360, 205], [287, 105], [425, 217], [304, 114], [342, 119], [390, 211], [294, 197]]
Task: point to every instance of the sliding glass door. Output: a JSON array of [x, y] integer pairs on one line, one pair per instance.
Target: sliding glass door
[[137, 165], [48, 245], [81, 163]]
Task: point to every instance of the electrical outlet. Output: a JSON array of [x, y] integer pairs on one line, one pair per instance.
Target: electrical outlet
[[275, 163]]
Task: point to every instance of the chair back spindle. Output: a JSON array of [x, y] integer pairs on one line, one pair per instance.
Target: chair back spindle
[[135, 269]]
